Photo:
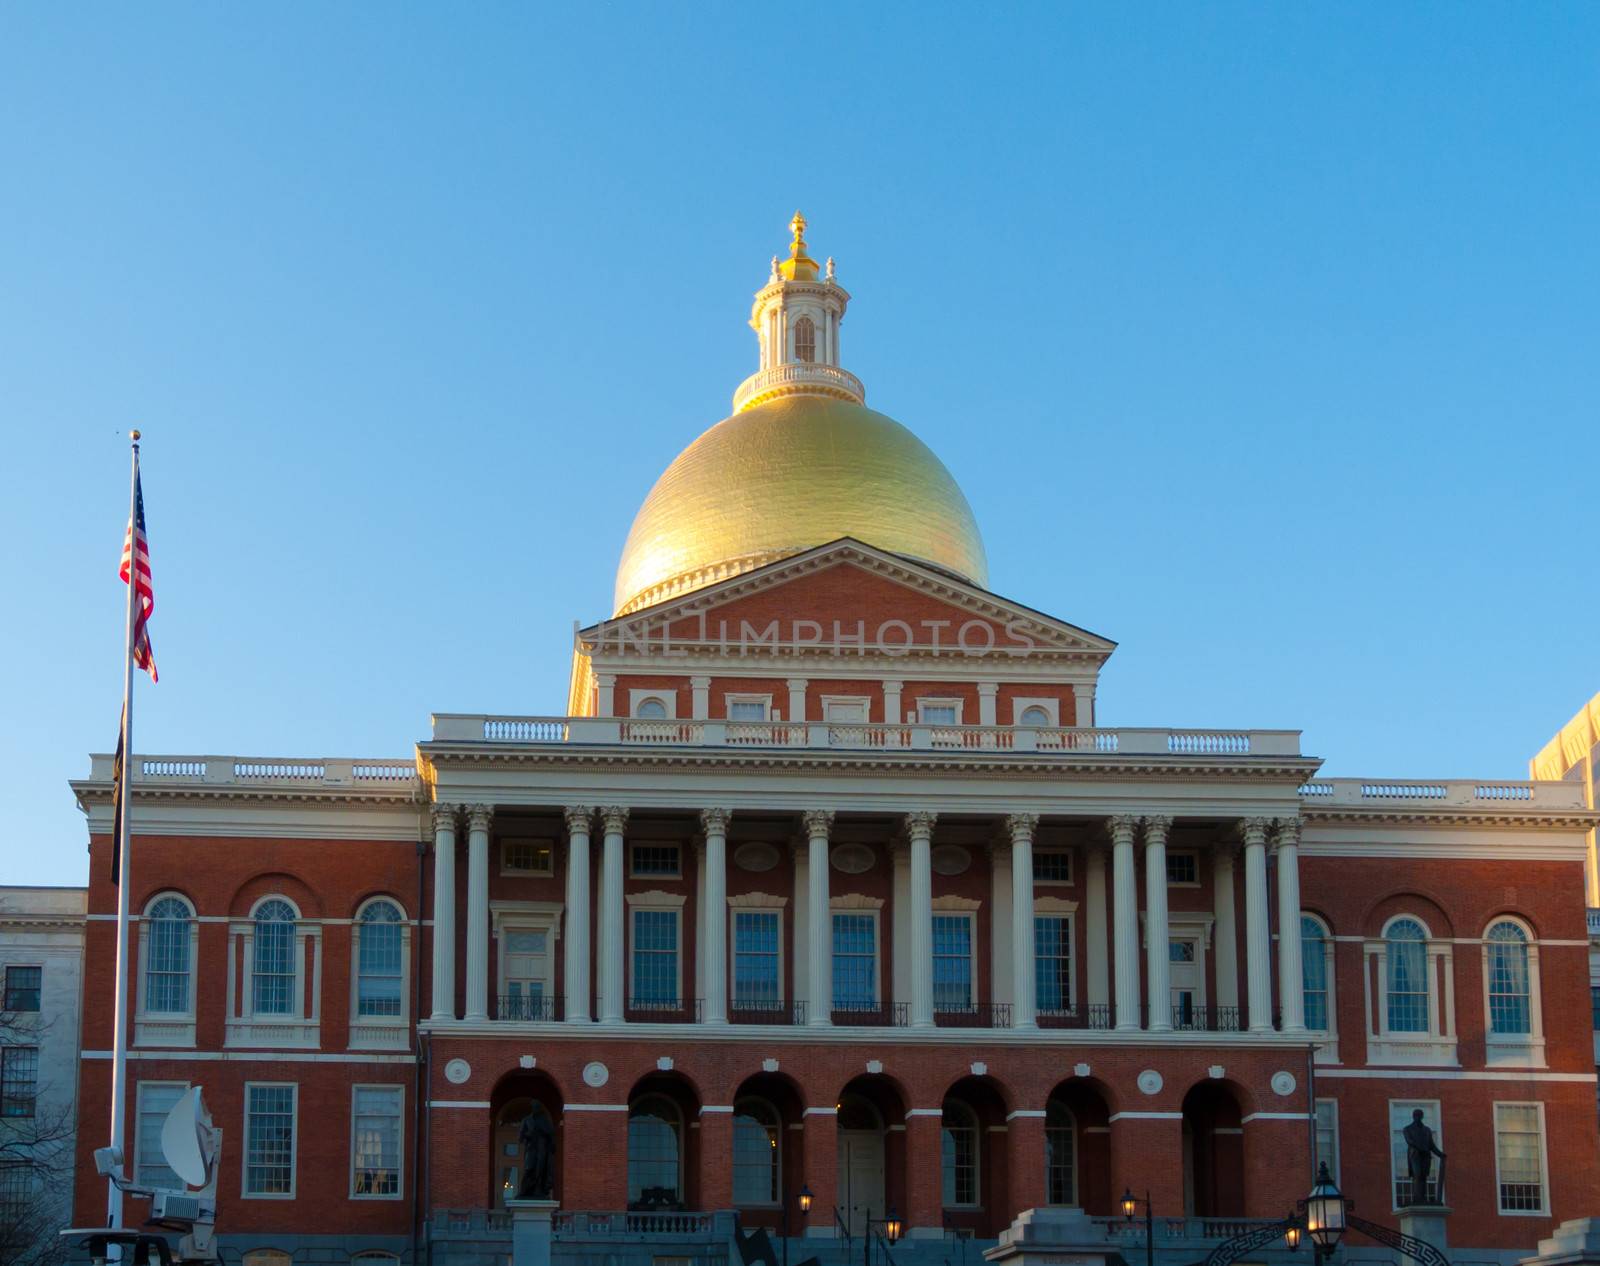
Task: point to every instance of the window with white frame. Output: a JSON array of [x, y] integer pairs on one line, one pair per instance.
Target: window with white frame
[[855, 960], [269, 1139], [1327, 1125], [939, 711], [1052, 865], [153, 1101], [526, 933], [952, 963], [959, 1155], [168, 937], [380, 961], [1400, 1111], [527, 857], [1315, 955], [1506, 965], [1519, 1157], [1060, 1154], [375, 1129], [1406, 977], [1052, 961], [757, 1154], [23, 987], [655, 861], [273, 978], [749, 707], [655, 959], [1183, 868], [1036, 714], [845, 709], [651, 708], [805, 340], [19, 1080], [757, 960]]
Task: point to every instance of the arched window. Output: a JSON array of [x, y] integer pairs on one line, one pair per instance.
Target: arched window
[[379, 960], [757, 1146], [651, 710], [273, 971], [167, 962], [805, 340], [1314, 973], [1506, 952], [655, 1134], [959, 1159], [1034, 716], [1060, 1154], [1407, 976]]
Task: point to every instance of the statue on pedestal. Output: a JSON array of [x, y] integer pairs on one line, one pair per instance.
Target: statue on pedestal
[[538, 1139], [1420, 1151]]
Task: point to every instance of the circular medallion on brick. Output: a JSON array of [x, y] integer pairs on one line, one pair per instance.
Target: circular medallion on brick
[[596, 1074], [1150, 1082], [755, 857], [853, 859], [1283, 1083], [950, 859], [457, 1071]]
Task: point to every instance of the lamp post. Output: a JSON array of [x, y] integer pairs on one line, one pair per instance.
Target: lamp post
[[804, 1201], [891, 1231], [1326, 1214], [1129, 1206]]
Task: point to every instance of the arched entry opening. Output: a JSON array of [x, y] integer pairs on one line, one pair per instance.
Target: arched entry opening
[[768, 1156], [517, 1096], [872, 1143], [974, 1192], [663, 1156], [1077, 1148], [1213, 1152]]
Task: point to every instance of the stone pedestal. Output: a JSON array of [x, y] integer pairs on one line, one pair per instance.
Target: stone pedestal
[[1576, 1242], [530, 1231], [1053, 1237], [1426, 1222]]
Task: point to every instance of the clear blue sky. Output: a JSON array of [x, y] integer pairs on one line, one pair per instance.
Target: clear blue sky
[[1263, 339]]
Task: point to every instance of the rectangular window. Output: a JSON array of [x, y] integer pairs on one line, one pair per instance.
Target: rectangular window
[[1052, 962], [855, 961], [19, 1080], [932, 713], [526, 857], [1052, 866], [1400, 1111], [757, 985], [273, 983], [655, 861], [16, 1191], [1328, 1136], [269, 1127], [655, 958], [155, 1100], [375, 1143], [1407, 980], [525, 969], [22, 988], [1519, 1157], [845, 711], [952, 962], [1183, 868], [748, 708]]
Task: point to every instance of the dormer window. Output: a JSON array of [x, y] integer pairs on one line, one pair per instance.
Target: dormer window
[[805, 340]]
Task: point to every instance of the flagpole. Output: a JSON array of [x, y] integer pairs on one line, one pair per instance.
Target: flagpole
[[119, 1039]]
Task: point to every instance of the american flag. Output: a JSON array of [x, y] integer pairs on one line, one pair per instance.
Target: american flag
[[136, 556]]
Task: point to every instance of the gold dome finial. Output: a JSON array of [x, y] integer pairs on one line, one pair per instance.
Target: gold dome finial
[[799, 266]]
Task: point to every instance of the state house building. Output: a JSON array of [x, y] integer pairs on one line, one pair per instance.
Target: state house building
[[838, 876]]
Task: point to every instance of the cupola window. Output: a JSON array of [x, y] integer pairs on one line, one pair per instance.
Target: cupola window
[[805, 340]]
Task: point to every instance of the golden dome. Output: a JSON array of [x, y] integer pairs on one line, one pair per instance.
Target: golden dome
[[785, 476]]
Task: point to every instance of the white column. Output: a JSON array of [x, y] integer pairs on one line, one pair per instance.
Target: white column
[[700, 698], [1291, 983], [1158, 963], [891, 703], [478, 818], [1083, 703], [1226, 939], [820, 917], [444, 915], [1257, 943], [715, 949], [1097, 955], [797, 700], [1024, 1009], [576, 983], [612, 929], [605, 694], [987, 690], [1125, 921], [919, 829]]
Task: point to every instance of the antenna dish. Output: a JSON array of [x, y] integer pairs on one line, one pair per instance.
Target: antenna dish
[[187, 1139]]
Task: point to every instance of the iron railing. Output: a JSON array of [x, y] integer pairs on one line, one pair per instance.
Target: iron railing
[[766, 1011], [974, 1015], [666, 1010], [518, 1006], [1207, 1019], [1093, 1015], [881, 1014]]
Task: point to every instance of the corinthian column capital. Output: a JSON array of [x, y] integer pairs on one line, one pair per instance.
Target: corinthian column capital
[[1288, 832], [818, 823], [479, 816], [443, 817], [1254, 830], [615, 818], [1156, 828], [715, 821], [1122, 828], [1021, 826], [580, 817], [920, 825]]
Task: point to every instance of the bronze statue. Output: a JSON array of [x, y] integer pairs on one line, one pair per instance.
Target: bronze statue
[[538, 1139], [1420, 1151]]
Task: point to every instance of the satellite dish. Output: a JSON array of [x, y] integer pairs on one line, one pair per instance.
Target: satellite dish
[[188, 1140]]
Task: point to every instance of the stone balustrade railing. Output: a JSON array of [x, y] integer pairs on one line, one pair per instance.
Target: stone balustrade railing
[[854, 736], [828, 377], [1455, 792], [245, 771]]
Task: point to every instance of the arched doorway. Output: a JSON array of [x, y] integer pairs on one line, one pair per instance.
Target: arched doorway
[[974, 1192], [1077, 1148], [517, 1096], [768, 1150], [867, 1168], [662, 1156], [1213, 1152]]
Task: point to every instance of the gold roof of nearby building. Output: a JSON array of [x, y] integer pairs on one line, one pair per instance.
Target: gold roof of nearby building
[[783, 477]]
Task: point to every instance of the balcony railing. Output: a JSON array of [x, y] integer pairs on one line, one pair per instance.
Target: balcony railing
[[798, 376], [516, 1006], [973, 1015], [1063, 740], [257, 771], [881, 1014], [766, 1011], [1094, 1015], [1454, 793], [665, 1010], [1207, 1019]]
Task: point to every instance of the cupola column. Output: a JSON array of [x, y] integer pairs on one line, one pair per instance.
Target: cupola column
[[819, 915], [612, 930], [715, 948], [478, 819], [1257, 941], [1291, 980], [1024, 1003], [444, 913], [1125, 923], [919, 829], [1158, 963], [576, 982]]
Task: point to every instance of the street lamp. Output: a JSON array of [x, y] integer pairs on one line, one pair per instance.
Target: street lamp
[[1292, 1232], [891, 1231], [804, 1201], [1129, 1206], [1325, 1209]]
